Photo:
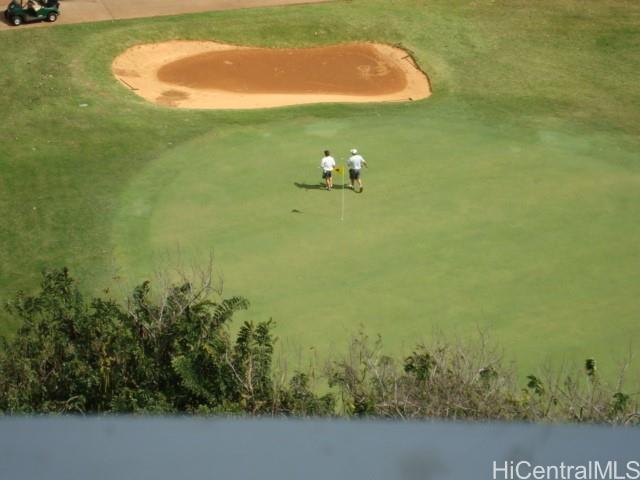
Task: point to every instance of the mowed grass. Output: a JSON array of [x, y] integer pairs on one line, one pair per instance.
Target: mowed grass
[[507, 201], [520, 243]]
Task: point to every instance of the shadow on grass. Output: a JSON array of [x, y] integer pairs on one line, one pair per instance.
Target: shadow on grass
[[318, 186]]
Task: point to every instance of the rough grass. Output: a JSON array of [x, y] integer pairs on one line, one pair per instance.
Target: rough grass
[[506, 201]]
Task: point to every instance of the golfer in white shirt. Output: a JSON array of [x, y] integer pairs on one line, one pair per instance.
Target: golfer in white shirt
[[355, 164], [327, 164]]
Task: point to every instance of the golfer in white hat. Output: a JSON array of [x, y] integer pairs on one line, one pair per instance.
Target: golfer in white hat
[[355, 164]]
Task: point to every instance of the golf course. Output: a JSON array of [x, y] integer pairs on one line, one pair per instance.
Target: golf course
[[506, 202]]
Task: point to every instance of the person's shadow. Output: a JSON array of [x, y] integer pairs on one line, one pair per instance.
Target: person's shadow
[[316, 186], [309, 186]]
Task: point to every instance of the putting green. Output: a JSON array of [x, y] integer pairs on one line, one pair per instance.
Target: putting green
[[529, 234], [508, 200]]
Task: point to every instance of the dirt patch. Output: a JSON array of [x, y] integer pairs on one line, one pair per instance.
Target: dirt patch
[[171, 97], [189, 74]]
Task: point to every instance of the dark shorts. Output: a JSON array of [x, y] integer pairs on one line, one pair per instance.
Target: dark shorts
[[326, 174], [354, 174]]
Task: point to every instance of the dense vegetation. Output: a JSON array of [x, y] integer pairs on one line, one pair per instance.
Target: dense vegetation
[[173, 352], [169, 355]]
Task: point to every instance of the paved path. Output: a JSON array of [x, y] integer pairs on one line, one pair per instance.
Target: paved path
[[80, 11]]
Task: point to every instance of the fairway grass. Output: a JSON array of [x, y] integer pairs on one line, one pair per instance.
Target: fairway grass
[[507, 202]]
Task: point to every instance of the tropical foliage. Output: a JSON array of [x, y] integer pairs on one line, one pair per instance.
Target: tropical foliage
[[172, 352]]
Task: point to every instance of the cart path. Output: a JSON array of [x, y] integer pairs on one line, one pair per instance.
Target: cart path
[[81, 11]]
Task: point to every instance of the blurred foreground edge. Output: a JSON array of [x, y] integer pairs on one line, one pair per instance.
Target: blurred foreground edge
[[160, 448]]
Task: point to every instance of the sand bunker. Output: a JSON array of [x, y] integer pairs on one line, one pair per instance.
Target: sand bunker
[[189, 74]]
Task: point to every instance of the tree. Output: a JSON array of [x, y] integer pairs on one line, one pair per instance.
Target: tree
[[170, 353]]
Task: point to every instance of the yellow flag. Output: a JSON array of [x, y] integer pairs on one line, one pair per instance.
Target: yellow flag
[[339, 170]]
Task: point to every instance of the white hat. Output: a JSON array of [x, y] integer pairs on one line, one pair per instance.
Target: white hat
[[354, 151]]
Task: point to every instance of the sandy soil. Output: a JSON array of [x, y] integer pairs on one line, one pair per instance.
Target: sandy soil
[[188, 74]]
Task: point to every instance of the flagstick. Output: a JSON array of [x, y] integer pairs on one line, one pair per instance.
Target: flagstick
[[343, 185]]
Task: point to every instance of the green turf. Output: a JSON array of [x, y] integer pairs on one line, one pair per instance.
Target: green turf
[[507, 201]]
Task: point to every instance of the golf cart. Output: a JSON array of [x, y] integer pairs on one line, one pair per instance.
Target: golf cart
[[23, 11]]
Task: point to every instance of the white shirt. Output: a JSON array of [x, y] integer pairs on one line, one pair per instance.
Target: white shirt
[[327, 163], [355, 162]]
